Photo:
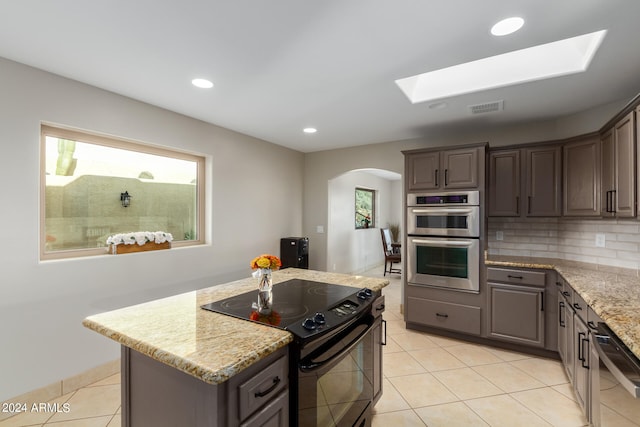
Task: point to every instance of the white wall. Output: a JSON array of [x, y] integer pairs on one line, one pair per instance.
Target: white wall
[[254, 199], [351, 250]]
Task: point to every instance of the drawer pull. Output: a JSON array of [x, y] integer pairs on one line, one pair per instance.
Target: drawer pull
[[592, 325], [566, 294], [442, 315], [515, 277], [276, 381], [577, 306]]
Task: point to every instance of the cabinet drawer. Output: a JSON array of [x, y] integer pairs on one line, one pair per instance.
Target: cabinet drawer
[[457, 317], [580, 306], [521, 277], [262, 387]]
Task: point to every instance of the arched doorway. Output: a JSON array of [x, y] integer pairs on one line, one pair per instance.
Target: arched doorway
[[351, 250]]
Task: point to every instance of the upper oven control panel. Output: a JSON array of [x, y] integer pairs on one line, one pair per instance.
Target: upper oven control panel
[[452, 198]]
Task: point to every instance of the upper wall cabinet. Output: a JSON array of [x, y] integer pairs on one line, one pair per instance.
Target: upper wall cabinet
[[581, 178], [444, 169], [619, 169], [504, 183], [533, 172], [544, 170]]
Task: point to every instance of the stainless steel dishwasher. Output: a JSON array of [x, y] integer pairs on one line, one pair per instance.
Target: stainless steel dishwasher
[[615, 393]]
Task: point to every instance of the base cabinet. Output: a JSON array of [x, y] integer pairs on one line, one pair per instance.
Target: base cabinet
[[516, 314], [574, 343], [516, 305], [154, 394]]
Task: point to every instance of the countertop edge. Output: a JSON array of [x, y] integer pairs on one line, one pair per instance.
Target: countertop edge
[[110, 325]]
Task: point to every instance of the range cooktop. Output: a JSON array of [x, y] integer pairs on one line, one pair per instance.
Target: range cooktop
[[303, 307]]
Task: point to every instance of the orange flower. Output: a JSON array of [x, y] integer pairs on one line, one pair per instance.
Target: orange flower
[[266, 261]]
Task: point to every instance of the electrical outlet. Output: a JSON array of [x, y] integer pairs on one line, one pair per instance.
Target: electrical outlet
[[499, 235], [319, 229], [600, 240]]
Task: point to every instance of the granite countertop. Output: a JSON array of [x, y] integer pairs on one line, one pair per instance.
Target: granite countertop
[[209, 346], [614, 296]]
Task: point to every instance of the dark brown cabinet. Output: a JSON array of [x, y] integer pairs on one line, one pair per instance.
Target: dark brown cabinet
[[538, 169], [543, 192], [504, 183], [574, 342], [581, 177], [443, 169], [155, 394], [619, 169], [516, 306]]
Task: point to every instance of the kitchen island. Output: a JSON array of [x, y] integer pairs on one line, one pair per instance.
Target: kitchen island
[[174, 341]]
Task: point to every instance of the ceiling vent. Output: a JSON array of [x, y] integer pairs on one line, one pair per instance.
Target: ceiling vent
[[487, 107]]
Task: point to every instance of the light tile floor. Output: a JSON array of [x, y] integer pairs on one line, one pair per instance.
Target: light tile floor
[[429, 381]]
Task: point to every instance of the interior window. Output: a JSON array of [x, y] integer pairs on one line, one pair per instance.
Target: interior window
[[365, 208]]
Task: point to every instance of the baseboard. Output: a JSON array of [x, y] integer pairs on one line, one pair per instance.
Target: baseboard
[[62, 387]]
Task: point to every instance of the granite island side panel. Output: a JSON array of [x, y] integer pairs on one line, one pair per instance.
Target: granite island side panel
[[613, 296], [209, 346]]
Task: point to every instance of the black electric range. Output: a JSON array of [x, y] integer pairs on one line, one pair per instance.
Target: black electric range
[[306, 308]]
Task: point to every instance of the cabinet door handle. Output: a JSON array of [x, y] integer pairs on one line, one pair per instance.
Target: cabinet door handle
[[577, 306], [384, 342], [566, 294], [446, 177], [560, 313], [585, 362], [580, 348], [514, 277], [436, 175], [528, 204], [517, 205], [541, 301], [613, 201], [442, 315], [276, 381], [558, 284], [608, 202]]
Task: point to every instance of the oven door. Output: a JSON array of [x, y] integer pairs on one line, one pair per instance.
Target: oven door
[[335, 381], [444, 221], [452, 263]]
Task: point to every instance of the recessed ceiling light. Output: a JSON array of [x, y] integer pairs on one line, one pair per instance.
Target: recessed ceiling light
[[559, 58], [309, 130], [507, 26], [202, 83]]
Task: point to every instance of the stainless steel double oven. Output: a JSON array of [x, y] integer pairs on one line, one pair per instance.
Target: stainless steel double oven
[[443, 243]]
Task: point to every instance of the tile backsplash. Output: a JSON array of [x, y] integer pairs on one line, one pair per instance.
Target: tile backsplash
[[568, 239]]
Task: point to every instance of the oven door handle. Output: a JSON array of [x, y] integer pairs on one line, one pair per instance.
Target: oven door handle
[[441, 243], [310, 366], [442, 211]]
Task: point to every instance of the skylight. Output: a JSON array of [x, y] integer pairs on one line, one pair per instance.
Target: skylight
[[559, 58]]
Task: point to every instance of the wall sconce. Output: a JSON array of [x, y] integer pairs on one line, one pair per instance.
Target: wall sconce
[[125, 199]]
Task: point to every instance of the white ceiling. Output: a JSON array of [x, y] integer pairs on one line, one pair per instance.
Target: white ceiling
[[281, 65]]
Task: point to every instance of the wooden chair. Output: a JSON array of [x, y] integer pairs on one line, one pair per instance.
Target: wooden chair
[[391, 252]]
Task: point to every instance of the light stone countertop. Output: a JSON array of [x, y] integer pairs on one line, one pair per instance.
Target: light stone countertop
[[614, 296], [209, 346]]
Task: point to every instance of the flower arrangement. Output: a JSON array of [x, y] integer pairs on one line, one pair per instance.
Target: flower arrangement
[[139, 238], [266, 261], [274, 318]]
